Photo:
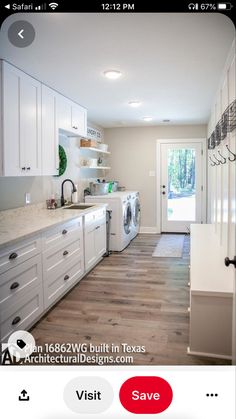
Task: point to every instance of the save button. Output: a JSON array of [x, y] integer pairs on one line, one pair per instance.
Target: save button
[[146, 395]]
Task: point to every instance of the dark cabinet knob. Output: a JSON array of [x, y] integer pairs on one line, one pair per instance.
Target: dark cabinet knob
[[64, 231], [23, 168], [14, 285], [16, 320], [163, 193], [65, 252], [163, 186], [96, 228], [230, 261], [27, 168], [66, 277], [13, 256]]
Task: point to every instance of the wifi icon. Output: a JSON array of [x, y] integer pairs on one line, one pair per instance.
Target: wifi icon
[[53, 5]]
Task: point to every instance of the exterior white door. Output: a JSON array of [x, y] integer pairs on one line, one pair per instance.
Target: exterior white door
[[181, 186]]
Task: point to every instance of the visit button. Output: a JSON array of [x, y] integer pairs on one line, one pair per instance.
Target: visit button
[[146, 395]]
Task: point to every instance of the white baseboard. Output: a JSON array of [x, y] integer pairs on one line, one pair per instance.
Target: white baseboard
[[148, 230], [209, 355]]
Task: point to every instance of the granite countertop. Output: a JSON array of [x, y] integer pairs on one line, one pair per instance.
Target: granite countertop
[[20, 223]]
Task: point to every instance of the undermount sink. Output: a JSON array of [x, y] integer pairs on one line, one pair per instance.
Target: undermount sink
[[78, 207]]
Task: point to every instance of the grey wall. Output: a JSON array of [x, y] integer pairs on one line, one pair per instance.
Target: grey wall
[[13, 189], [133, 155]]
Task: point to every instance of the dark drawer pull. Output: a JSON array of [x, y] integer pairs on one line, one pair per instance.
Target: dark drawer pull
[[66, 277], [65, 253], [27, 168], [13, 255], [16, 320], [64, 231], [14, 285]]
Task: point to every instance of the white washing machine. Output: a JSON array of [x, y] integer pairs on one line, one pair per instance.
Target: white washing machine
[[136, 212], [121, 222]]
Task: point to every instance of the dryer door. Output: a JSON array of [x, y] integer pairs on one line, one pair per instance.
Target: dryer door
[[136, 212], [127, 217]]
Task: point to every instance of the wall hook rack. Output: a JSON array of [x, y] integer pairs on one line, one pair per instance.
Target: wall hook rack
[[219, 161], [214, 163], [233, 154], [224, 159]]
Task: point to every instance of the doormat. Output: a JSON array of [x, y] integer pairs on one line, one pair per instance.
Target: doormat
[[169, 246]]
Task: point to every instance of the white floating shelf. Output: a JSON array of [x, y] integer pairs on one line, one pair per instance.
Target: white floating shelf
[[96, 167], [95, 149]]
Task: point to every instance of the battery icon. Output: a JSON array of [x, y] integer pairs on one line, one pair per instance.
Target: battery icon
[[224, 6]]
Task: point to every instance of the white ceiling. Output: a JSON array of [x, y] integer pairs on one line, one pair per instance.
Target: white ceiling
[[172, 63]]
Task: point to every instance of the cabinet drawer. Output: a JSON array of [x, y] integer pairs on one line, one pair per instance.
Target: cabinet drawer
[[60, 280], [54, 257], [22, 314], [95, 216], [60, 235], [13, 255], [17, 281]]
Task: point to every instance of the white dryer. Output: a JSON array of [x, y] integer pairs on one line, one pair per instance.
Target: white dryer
[[136, 212], [121, 222]]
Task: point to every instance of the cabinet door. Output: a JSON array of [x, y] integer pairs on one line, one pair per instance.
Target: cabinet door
[[90, 250], [78, 119], [64, 113], [21, 123], [50, 136], [13, 154], [30, 124], [100, 239]]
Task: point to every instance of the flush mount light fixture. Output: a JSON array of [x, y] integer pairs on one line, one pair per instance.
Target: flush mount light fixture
[[112, 74], [134, 103], [147, 118], [166, 120]]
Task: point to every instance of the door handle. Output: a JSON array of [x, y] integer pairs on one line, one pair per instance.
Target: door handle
[[230, 261]]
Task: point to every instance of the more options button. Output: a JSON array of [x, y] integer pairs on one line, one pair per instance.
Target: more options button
[[88, 395], [146, 395]]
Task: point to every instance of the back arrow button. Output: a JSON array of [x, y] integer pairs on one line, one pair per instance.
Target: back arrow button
[[20, 34]]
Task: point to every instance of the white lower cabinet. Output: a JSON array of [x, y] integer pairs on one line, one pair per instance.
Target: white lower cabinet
[[63, 259], [36, 272], [23, 313], [94, 237], [211, 296]]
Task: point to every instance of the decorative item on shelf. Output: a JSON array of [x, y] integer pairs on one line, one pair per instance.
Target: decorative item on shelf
[[84, 162], [103, 147], [100, 162], [94, 133], [85, 143], [62, 161]]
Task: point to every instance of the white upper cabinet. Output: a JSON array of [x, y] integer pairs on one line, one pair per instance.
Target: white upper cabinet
[[78, 119], [21, 116], [50, 157], [72, 118], [32, 115], [64, 113]]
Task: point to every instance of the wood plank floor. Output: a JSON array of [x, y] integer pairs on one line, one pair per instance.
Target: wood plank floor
[[132, 298]]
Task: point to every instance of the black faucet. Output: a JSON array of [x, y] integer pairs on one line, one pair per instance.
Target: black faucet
[[62, 191]]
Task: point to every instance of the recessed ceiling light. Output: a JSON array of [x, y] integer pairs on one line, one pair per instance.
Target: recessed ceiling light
[[112, 74], [166, 120], [147, 118], [134, 103]]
